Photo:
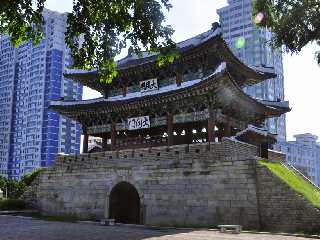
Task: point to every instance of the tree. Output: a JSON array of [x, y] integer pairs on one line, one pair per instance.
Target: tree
[[12, 188], [294, 23], [97, 30], [3, 182], [15, 188]]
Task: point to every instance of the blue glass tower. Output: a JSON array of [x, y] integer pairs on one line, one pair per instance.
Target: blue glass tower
[[37, 134], [251, 44], [7, 81]]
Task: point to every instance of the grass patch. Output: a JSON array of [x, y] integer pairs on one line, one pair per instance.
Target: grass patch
[[294, 181], [12, 204]]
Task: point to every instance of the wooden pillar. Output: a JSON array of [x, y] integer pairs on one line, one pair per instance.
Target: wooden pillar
[[85, 145], [179, 79], [264, 150], [227, 127], [104, 142], [113, 136], [124, 91], [170, 128], [188, 136], [220, 132], [211, 125], [106, 93]]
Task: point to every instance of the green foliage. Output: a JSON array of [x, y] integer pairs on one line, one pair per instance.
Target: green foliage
[[295, 23], [12, 187], [22, 20], [3, 182], [17, 188], [167, 56], [29, 178], [12, 204], [294, 181], [97, 30]]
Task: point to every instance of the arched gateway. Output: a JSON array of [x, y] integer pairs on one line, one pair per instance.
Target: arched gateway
[[124, 204]]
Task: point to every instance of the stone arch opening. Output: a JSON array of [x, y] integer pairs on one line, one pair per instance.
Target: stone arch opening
[[124, 204]]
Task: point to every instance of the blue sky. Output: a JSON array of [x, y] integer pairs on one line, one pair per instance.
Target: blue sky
[[301, 73]]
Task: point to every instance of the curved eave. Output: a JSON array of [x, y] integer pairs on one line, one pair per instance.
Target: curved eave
[[230, 96], [277, 104], [254, 74], [251, 75], [88, 79], [239, 102]]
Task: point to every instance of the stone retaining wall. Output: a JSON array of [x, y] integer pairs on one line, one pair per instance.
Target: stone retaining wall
[[281, 208], [183, 186], [196, 185]]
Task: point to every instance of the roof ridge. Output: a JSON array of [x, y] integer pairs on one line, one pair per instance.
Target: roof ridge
[[199, 38]]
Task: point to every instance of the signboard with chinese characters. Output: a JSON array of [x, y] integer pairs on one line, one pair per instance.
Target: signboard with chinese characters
[[149, 85], [138, 123]]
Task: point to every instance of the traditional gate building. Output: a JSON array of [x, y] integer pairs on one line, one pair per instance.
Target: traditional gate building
[[198, 98], [177, 149]]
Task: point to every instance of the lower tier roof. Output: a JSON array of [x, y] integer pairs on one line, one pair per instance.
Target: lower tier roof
[[218, 89]]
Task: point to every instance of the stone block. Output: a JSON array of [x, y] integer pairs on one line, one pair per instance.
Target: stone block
[[203, 186]]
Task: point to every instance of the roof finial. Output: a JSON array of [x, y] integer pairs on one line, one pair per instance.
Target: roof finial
[[130, 51], [215, 25]]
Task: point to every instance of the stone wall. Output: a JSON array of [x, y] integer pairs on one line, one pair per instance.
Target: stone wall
[[276, 156], [281, 208], [187, 185]]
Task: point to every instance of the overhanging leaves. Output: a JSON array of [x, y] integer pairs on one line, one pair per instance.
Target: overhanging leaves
[[97, 29], [294, 23]]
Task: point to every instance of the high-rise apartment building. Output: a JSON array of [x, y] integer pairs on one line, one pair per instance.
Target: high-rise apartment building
[[7, 78], [304, 154], [252, 45], [30, 76]]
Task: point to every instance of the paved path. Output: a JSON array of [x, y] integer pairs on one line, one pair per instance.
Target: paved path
[[17, 228]]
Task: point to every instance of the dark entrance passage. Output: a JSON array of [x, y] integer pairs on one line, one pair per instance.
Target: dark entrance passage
[[124, 204]]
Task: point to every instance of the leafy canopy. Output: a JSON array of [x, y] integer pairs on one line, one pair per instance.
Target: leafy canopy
[[22, 20], [97, 29], [295, 23]]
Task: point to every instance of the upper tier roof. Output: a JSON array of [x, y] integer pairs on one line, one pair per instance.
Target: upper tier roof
[[133, 60], [210, 42]]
